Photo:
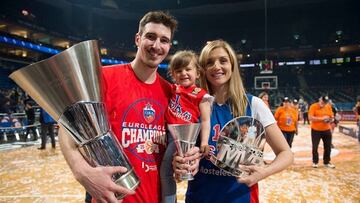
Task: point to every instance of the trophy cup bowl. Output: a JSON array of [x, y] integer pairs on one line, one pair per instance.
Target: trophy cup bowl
[[185, 136], [68, 87], [241, 142]]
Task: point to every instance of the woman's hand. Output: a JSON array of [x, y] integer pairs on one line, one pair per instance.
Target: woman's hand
[[256, 173], [190, 162]]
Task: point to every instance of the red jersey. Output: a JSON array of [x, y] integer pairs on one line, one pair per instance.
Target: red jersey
[[136, 114], [184, 104]]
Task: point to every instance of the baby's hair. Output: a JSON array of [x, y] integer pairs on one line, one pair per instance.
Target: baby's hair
[[182, 59]]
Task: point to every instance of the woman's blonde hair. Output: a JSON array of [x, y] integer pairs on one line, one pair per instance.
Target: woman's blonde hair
[[236, 94], [182, 59]]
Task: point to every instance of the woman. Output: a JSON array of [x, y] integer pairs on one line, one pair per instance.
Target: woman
[[222, 80], [265, 97], [287, 120]]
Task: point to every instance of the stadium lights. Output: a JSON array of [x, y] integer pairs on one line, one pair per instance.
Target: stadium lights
[[25, 12], [295, 63], [339, 32], [247, 65]]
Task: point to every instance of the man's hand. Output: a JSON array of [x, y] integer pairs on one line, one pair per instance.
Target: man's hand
[[98, 182], [190, 162]]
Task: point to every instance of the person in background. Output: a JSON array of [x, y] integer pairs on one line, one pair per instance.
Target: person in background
[[320, 115], [287, 120], [334, 122], [221, 78], [305, 109], [356, 110], [30, 115], [295, 104], [6, 107], [47, 128], [265, 97]]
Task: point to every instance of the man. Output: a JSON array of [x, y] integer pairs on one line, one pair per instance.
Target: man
[[305, 110], [30, 115], [356, 110], [47, 127], [131, 113], [320, 115]]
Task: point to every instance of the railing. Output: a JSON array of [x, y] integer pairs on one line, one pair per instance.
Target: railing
[[7, 129]]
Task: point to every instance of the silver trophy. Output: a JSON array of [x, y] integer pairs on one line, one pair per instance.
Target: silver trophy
[[68, 87], [241, 142], [185, 136]]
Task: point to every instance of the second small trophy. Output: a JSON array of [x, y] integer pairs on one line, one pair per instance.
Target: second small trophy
[[185, 136]]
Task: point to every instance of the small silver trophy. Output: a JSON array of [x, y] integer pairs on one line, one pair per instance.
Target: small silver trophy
[[68, 87], [241, 142], [185, 136]]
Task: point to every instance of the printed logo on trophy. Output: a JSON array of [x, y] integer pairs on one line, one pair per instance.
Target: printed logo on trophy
[[241, 142]]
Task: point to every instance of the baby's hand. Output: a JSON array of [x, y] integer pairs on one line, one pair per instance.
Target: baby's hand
[[204, 150]]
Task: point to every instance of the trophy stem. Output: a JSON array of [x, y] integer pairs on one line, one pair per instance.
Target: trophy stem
[[185, 136], [188, 176]]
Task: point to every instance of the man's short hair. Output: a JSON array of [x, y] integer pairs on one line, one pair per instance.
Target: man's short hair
[[158, 17]]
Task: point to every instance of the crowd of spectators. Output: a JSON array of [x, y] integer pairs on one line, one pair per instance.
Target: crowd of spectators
[[12, 101]]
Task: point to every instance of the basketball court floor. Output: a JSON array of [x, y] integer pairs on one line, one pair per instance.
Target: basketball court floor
[[31, 175]]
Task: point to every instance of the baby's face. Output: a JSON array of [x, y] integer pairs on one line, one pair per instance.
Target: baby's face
[[186, 76]]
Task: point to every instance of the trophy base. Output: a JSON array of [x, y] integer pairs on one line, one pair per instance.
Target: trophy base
[[187, 177], [128, 180]]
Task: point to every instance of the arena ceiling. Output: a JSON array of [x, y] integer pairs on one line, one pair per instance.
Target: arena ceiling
[[289, 23]]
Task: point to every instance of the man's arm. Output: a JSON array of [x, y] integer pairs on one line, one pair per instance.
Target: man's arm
[[96, 180]]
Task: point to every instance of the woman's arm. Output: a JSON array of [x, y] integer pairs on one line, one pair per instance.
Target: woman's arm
[[284, 157]]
